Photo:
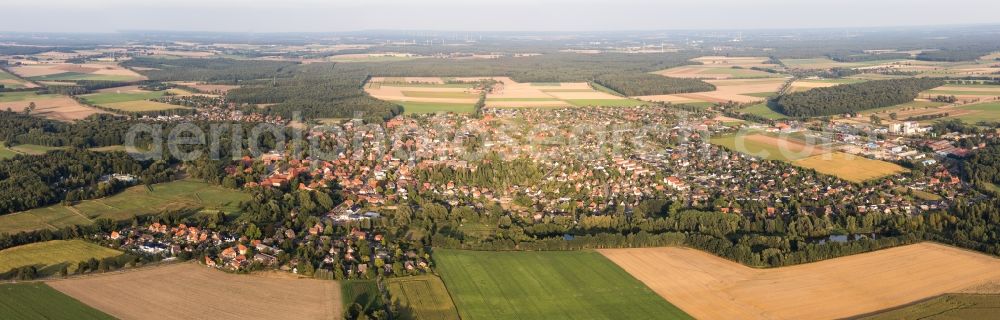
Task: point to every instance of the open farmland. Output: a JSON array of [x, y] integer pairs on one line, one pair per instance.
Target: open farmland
[[52, 254], [434, 94], [36, 300], [546, 285], [716, 67], [191, 291], [849, 167], [52, 106], [10, 81], [130, 101], [709, 287], [423, 297], [74, 72], [133, 201], [736, 90], [949, 306]]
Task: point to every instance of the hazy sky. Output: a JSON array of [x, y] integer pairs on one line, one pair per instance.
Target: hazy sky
[[479, 15]]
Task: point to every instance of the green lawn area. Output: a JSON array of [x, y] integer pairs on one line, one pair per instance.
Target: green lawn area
[[434, 94], [757, 148], [74, 76], [33, 149], [432, 107], [741, 73], [606, 102], [22, 96], [134, 201], [53, 254], [546, 285], [107, 98], [989, 112], [949, 306], [6, 153], [36, 300], [761, 109], [422, 297]]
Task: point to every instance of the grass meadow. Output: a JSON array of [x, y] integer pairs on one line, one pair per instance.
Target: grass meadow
[[134, 201]]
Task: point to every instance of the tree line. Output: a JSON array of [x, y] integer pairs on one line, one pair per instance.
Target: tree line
[[645, 84], [850, 98]]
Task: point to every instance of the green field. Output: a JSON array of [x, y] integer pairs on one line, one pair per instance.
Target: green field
[[961, 93], [758, 149], [107, 98], [142, 105], [133, 201], [75, 76], [989, 112], [761, 109], [422, 297], [35, 300], [53, 254], [22, 96], [435, 94], [363, 292], [432, 107], [950, 306], [741, 73], [546, 285], [606, 102], [761, 94], [599, 87]]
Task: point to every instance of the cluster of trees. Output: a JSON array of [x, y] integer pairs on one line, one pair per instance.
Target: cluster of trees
[[644, 84], [31, 181], [317, 91], [983, 166], [212, 70], [966, 53], [945, 99], [95, 131], [850, 98]]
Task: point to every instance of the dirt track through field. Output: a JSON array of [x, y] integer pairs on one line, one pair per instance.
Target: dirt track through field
[[709, 287], [193, 291]]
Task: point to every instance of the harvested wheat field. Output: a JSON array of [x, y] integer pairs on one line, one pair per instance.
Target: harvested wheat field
[[55, 107], [709, 287], [192, 291]]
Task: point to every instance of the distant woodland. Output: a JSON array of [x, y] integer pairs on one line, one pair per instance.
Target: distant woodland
[[644, 84], [850, 98]]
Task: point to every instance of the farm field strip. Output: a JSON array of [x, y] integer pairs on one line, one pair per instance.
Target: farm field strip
[[35, 300], [53, 252], [546, 285], [709, 287], [424, 296], [203, 293]]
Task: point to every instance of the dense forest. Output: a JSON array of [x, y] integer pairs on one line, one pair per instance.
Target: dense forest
[[28, 182], [983, 166], [211, 70], [96, 131], [851, 98], [321, 90], [967, 53], [645, 84]]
